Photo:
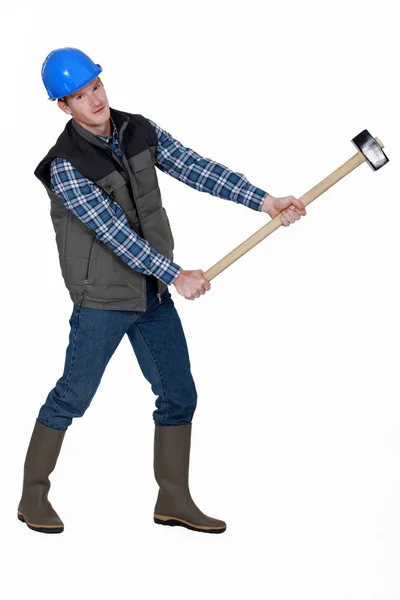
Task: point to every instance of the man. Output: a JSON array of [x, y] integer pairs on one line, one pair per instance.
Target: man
[[115, 249]]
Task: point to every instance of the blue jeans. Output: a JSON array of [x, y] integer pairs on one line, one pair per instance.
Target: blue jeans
[[160, 347]]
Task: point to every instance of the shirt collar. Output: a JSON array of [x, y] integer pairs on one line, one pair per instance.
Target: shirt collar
[[114, 135]]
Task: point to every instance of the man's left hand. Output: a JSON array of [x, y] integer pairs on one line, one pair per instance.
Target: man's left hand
[[273, 206]]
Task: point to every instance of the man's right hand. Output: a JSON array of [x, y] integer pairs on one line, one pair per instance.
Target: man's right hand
[[192, 284]]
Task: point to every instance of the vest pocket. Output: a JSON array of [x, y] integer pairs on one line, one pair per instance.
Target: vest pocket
[[144, 173], [90, 260], [105, 269]]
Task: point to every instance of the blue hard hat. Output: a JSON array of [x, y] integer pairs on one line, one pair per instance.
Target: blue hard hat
[[66, 70]]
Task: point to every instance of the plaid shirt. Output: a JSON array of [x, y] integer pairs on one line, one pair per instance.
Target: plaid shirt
[[104, 216]]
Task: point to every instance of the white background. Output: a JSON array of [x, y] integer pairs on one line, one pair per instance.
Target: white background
[[296, 438]]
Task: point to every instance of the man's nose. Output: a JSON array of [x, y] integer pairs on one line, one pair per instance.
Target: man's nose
[[94, 102]]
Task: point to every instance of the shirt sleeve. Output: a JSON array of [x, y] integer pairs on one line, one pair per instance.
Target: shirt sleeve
[[99, 212], [204, 174]]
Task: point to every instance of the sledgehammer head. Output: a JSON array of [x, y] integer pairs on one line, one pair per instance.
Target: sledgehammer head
[[371, 148]]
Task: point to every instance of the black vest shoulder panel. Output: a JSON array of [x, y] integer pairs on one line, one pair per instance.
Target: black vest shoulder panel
[[93, 158]]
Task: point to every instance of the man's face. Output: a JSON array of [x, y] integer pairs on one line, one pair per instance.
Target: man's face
[[84, 105]]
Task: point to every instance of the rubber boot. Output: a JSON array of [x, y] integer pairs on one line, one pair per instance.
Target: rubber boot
[[174, 504], [34, 508]]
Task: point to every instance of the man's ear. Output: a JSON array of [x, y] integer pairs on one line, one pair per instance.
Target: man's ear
[[63, 106]]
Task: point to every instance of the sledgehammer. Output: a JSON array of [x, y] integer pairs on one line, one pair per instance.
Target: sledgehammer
[[369, 150]]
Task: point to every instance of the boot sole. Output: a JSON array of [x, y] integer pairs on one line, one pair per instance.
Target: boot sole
[[173, 522], [40, 528]]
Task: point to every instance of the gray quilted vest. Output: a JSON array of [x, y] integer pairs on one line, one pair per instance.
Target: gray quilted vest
[[93, 274]]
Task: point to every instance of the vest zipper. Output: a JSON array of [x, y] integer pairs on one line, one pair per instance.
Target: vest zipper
[[126, 165]]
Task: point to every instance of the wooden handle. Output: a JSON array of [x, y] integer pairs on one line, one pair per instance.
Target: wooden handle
[[324, 185]]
